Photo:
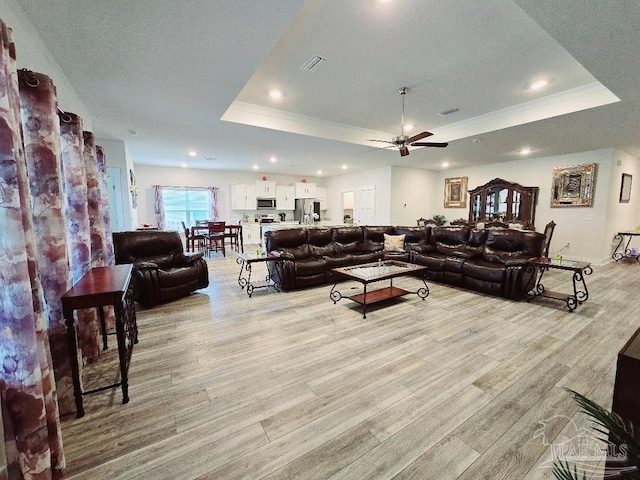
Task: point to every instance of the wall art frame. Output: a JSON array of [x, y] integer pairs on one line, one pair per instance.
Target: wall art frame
[[573, 186], [625, 188], [455, 192]]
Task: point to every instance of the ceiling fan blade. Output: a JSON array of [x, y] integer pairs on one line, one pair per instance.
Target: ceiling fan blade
[[419, 136], [404, 151], [379, 148], [383, 141], [429, 144]]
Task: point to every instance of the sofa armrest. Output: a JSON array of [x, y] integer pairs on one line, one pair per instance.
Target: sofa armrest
[[518, 261], [146, 265], [183, 259]]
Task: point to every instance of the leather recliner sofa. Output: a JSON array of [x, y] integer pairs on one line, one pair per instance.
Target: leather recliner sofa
[[162, 271], [489, 261]]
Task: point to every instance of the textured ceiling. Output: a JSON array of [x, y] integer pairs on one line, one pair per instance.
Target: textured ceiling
[[172, 70]]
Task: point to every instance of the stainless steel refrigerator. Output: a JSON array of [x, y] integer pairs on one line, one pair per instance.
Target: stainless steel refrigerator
[[307, 211]]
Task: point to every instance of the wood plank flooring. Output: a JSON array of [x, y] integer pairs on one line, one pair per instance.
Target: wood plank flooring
[[291, 386]]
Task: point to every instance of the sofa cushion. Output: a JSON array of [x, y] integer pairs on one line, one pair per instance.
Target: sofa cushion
[[481, 269], [344, 248], [433, 261], [175, 276], [310, 266], [338, 260], [368, 246], [416, 238], [301, 251], [320, 242], [286, 238], [394, 243], [364, 257]]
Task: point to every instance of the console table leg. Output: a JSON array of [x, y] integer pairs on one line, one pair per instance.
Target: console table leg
[[103, 328], [73, 361], [122, 352]]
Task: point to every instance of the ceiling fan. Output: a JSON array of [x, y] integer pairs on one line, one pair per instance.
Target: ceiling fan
[[402, 141]]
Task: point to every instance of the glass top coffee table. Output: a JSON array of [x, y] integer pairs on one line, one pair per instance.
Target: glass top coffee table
[[375, 272]]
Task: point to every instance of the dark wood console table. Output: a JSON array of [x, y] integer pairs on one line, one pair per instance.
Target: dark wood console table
[[103, 286]]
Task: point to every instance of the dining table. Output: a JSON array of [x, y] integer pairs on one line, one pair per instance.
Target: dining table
[[230, 230]]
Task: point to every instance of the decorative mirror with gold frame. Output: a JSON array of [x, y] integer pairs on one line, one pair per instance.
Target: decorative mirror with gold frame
[[573, 186], [455, 192]]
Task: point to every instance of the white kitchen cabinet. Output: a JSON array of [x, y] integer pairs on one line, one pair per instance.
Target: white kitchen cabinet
[[251, 234], [243, 196], [285, 197], [265, 189], [321, 196], [306, 190]]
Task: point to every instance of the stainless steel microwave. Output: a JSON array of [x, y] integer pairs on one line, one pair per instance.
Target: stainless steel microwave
[[266, 203]]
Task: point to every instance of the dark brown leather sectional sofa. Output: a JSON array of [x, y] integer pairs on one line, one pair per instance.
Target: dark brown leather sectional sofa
[[488, 261], [162, 271]]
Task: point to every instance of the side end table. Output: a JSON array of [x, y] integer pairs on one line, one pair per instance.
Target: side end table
[[579, 269], [246, 260]]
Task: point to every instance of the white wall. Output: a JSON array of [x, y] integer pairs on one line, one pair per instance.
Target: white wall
[[586, 237], [413, 195], [146, 176], [379, 177], [32, 54], [622, 216]]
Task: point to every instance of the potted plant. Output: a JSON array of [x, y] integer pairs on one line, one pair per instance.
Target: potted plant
[[439, 219], [611, 429]]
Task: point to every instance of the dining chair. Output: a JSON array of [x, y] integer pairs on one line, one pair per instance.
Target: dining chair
[[232, 233], [216, 236], [196, 240], [548, 233]]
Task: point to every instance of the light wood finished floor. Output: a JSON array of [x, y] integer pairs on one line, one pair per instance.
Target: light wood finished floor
[[289, 385]]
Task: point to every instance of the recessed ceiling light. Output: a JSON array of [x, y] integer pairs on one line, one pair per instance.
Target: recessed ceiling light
[[538, 84], [133, 133], [255, 167], [273, 159], [183, 165], [408, 127], [344, 167], [192, 153], [525, 151], [319, 172], [275, 94], [445, 164]]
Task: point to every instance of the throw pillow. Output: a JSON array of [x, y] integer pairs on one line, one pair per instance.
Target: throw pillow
[[393, 243]]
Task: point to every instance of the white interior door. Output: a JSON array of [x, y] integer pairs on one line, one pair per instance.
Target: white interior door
[[114, 194], [366, 205]]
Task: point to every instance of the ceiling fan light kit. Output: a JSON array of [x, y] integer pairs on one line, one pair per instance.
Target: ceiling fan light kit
[[402, 141]]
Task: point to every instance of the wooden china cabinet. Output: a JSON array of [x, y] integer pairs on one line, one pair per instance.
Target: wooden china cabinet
[[500, 200]]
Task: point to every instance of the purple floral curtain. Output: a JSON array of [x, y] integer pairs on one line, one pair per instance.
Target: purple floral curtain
[[106, 217], [78, 226], [31, 425], [159, 206], [213, 203], [41, 131]]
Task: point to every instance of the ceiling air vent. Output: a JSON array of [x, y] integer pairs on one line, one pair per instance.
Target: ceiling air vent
[[314, 64], [450, 111]]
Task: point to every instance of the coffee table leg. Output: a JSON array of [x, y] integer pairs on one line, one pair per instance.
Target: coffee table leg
[[364, 302]]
